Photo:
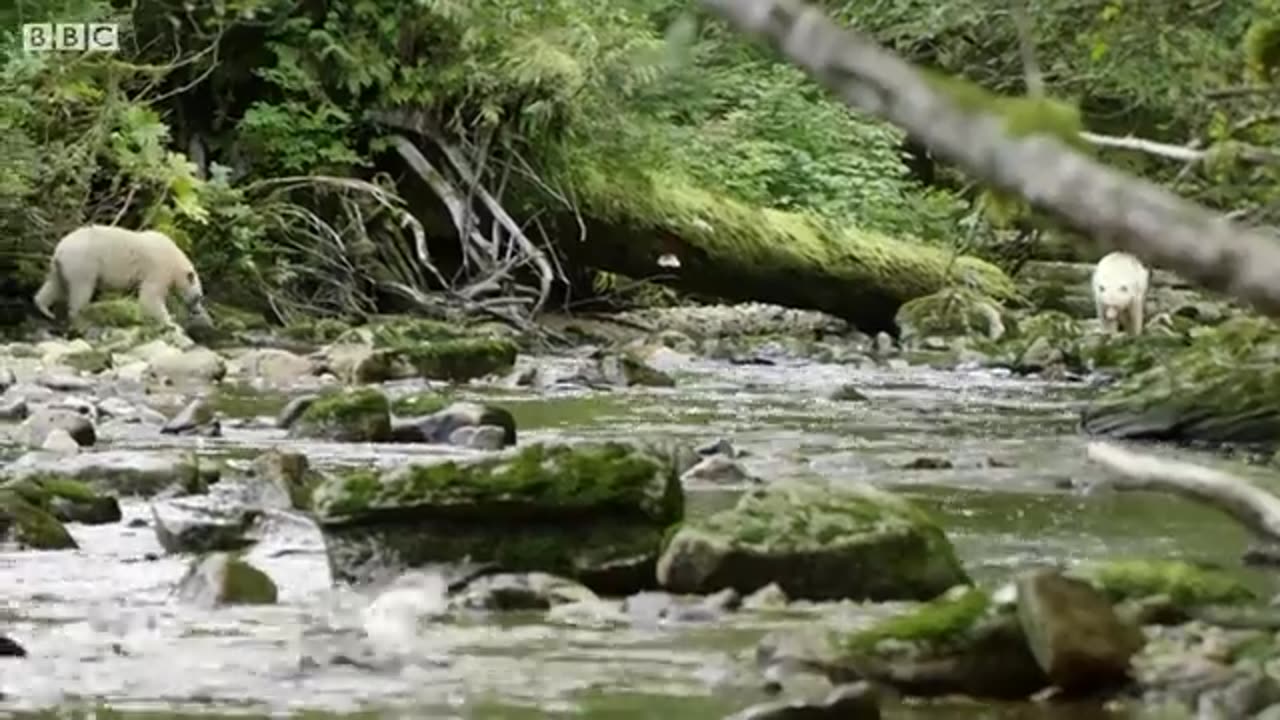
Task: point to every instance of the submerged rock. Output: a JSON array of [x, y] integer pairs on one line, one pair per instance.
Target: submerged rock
[[719, 470], [858, 701], [27, 525], [520, 591], [816, 542], [594, 513], [118, 472], [222, 579], [355, 415], [442, 425]]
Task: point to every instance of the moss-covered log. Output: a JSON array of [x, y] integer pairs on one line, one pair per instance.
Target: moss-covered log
[[738, 252]]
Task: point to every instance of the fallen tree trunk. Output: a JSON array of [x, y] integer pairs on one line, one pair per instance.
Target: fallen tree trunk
[[735, 251], [863, 284]]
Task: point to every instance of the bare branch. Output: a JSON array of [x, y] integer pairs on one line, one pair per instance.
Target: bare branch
[[1247, 153], [1123, 212], [1253, 507]]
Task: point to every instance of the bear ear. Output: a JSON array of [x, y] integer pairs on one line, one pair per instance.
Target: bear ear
[[191, 276]]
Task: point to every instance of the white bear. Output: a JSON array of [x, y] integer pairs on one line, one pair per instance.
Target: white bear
[[1119, 292], [104, 256]]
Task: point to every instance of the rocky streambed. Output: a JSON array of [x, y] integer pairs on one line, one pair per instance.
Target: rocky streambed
[[239, 450]]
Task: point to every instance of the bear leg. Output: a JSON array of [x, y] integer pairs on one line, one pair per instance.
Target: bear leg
[[1135, 317], [78, 295], [151, 297]]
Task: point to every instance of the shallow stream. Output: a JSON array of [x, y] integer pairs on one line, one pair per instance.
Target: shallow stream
[[100, 623]]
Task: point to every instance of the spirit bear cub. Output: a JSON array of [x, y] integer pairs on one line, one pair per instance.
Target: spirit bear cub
[[103, 256], [1119, 292]]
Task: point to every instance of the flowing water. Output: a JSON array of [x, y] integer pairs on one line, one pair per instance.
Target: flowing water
[[101, 626]]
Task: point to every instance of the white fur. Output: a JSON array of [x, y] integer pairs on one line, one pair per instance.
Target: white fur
[[1120, 283], [106, 257]]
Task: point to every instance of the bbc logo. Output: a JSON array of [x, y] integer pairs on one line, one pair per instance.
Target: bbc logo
[[70, 36]]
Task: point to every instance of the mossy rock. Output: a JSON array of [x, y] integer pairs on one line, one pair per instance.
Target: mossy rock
[[28, 525], [1186, 585], [67, 499], [318, 331], [816, 542], [959, 644], [423, 403], [593, 512], [1221, 390], [1044, 339], [536, 481], [353, 415], [224, 579], [935, 623], [952, 312], [462, 359], [87, 361]]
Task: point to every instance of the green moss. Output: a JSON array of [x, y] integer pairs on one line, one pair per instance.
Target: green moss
[[423, 403], [398, 331], [734, 236], [346, 405], [935, 622], [949, 313], [800, 516], [245, 584], [1185, 584], [1227, 372], [89, 361], [115, 312], [352, 415], [538, 479], [30, 525], [460, 360], [318, 331], [1262, 48]]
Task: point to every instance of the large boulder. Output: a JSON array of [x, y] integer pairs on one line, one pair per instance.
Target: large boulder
[[817, 542], [595, 513], [353, 415], [27, 525], [1224, 389], [118, 472], [397, 348]]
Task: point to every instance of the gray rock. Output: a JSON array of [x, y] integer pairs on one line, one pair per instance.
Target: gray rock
[[60, 441], [197, 365], [479, 437], [117, 472], [719, 470], [44, 420], [520, 591], [221, 579], [11, 648], [1074, 633], [203, 523], [196, 418], [847, 702], [439, 427]]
